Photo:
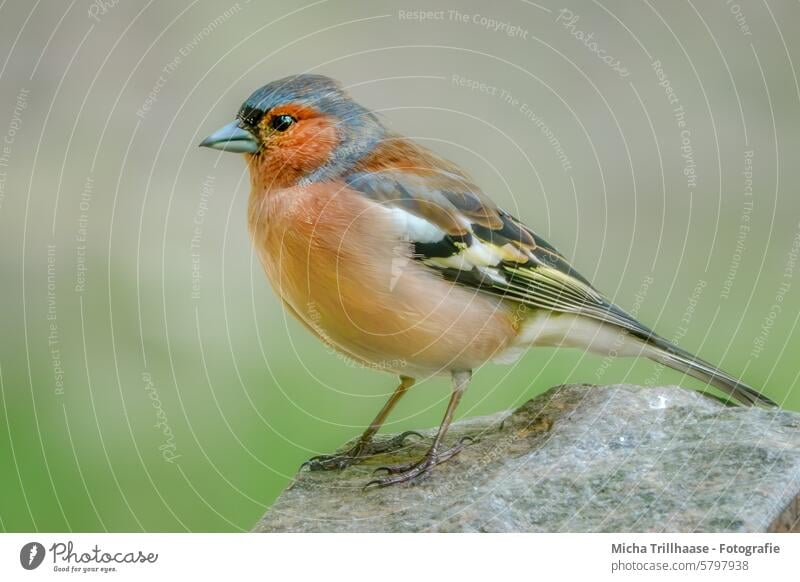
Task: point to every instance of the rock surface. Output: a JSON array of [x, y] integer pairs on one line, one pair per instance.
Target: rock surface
[[577, 458]]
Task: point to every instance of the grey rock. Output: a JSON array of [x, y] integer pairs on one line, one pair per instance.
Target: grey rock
[[577, 458]]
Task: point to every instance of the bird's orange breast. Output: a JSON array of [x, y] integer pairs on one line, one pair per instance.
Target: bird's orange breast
[[341, 264]]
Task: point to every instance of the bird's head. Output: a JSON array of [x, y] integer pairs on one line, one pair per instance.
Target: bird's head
[[304, 127]]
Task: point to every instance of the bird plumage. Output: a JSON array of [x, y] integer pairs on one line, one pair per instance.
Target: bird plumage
[[390, 253], [482, 246]]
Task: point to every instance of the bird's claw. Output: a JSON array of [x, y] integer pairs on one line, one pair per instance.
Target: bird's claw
[[392, 470], [330, 462], [410, 471], [357, 453]]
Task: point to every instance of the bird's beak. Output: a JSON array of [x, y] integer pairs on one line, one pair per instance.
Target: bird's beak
[[232, 138]]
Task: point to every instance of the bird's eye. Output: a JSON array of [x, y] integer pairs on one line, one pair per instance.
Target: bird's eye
[[281, 122]]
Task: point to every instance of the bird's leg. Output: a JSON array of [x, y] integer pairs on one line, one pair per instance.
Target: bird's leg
[[365, 446], [434, 456]]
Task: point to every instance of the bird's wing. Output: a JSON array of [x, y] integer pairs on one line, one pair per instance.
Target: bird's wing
[[460, 233]]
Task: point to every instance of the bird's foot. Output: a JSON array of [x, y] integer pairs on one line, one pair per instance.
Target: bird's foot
[[357, 453], [410, 471]]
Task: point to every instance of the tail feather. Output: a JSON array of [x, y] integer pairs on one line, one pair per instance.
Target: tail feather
[[667, 353], [671, 355], [602, 336]]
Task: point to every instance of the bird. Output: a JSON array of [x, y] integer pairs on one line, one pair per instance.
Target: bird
[[393, 256]]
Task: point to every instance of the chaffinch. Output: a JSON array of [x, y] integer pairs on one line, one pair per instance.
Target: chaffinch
[[393, 256]]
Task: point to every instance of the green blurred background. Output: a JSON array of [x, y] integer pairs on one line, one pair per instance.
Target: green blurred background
[[149, 379]]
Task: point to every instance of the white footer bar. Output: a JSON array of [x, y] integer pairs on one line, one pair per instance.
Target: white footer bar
[[401, 557]]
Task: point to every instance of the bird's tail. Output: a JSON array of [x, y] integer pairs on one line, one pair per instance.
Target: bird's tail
[[670, 355], [601, 335]]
